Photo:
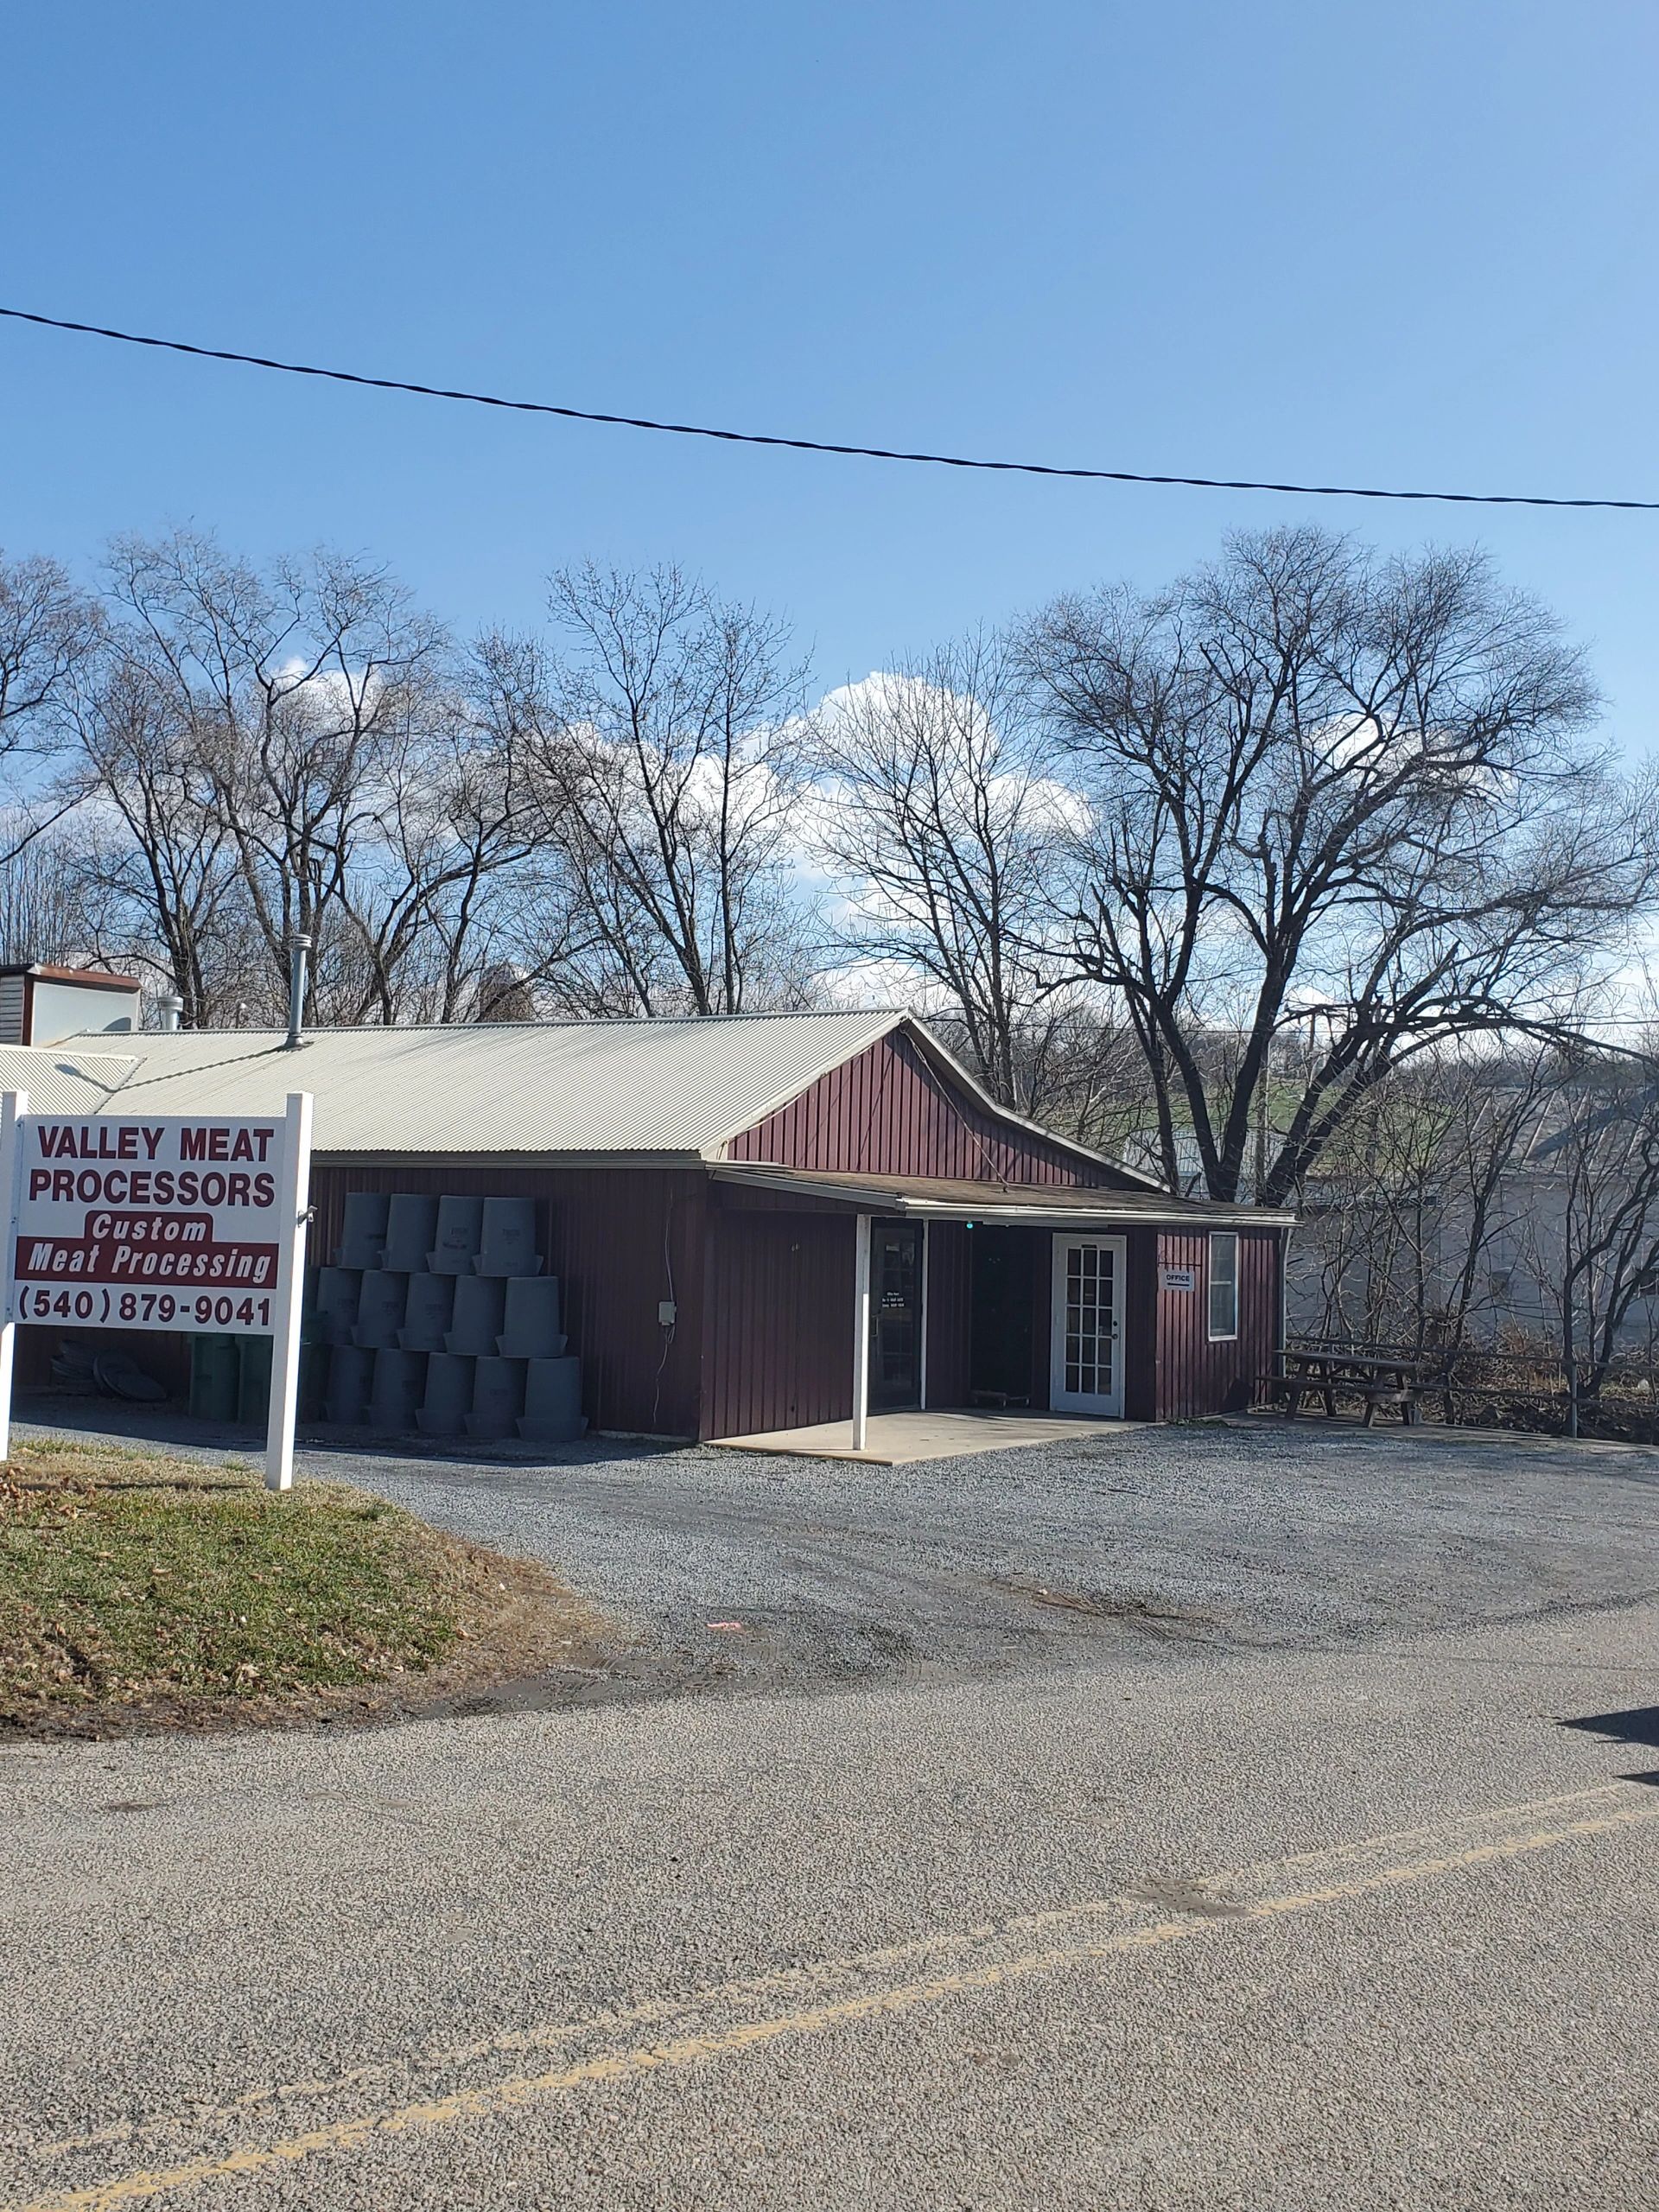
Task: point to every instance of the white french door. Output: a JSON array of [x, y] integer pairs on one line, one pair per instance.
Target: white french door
[[1086, 1346]]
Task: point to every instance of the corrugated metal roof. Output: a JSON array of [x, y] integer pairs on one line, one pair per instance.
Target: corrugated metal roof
[[924, 1195], [590, 1087], [60, 1080]]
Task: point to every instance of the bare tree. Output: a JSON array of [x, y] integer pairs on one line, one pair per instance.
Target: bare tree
[[1605, 1246], [1479, 1195], [665, 783], [517, 934], [940, 825], [298, 749], [1318, 781], [44, 910], [153, 850], [48, 628], [1415, 1202], [300, 690], [441, 916]]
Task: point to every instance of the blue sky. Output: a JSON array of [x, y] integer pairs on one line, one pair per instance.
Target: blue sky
[[1410, 244]]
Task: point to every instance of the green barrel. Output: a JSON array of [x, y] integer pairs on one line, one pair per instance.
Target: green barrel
[[216, 1378], [253, 1392], [314, 1381]]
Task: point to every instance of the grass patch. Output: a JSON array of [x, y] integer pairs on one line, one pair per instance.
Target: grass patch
[[170, 1591]]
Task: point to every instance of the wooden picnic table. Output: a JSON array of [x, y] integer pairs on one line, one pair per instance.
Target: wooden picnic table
[[1381, 1378]]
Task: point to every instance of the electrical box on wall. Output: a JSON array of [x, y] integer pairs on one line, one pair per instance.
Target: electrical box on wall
[[667, 1311]]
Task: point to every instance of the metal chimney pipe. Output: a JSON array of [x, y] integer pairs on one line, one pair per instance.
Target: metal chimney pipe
[[169, 1007], [298, 945]]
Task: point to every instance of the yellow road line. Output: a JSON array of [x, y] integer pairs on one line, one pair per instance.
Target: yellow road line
[[815, 1975], [690, 2049]]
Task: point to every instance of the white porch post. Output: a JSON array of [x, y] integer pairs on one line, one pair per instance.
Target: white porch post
[[860, 1329]]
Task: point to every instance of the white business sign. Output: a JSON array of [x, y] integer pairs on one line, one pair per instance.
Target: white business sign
[[137, 1221]]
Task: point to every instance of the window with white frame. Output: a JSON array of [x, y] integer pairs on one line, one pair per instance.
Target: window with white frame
[[1224, 1284]]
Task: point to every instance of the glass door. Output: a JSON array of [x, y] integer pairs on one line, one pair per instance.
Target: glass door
[[895, 1315], [1086, 1362]]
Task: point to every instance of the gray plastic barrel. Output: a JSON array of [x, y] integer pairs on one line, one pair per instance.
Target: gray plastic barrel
[[428, 1313], [552, 1401], [455, 1245], [338, 1292], [448, 1396], [498, 1398], [507, 1244], [479, 1301], [399, 1384], [529, 1328], [351, 1376], [411, 1230], [380, 1308], [362, 1232]]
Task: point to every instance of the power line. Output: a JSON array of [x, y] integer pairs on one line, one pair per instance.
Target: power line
[[814, 445]]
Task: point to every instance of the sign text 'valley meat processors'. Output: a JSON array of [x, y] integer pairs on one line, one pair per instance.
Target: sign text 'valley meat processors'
[[165, 1223], [158, 1222]]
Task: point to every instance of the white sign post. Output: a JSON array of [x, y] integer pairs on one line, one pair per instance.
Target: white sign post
[[160, 1222], [294, 1208], [14, 1105]]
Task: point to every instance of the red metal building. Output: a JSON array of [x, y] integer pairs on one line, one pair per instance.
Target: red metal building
[[763, 1223]]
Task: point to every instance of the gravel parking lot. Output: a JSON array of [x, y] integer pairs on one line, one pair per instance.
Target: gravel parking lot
[[1151, 1544]]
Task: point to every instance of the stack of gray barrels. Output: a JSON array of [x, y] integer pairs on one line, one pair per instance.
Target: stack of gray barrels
[[436, 1316]]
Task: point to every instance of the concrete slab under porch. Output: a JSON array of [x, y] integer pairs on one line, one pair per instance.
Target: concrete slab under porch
[[895, 1440]]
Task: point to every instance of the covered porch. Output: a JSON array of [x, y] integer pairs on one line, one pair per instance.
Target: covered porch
[[838, 1300], [897, 1440]]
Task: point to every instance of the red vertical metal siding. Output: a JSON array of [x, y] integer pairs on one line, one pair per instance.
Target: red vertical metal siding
[[1138, 1323], [737, 1198], [619, 1240], [778, 1340], [1196, 1375], [1141, 1325], [1042, 1314], [949, 1291], [886, 1112]]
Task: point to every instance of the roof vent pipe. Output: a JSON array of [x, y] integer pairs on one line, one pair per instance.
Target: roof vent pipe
[[169, 1007], [298, 945]]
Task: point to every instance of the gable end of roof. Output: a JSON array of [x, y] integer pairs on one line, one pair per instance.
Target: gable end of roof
[[943, 1063]]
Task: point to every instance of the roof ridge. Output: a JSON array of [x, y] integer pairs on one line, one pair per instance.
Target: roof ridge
[[635, 1021]]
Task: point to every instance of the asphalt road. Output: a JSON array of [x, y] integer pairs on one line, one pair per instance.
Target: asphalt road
[[1331, 1900]]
